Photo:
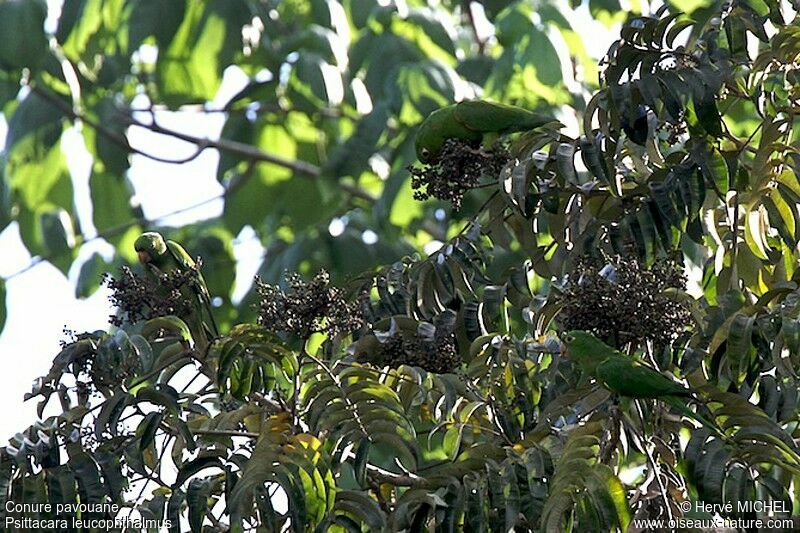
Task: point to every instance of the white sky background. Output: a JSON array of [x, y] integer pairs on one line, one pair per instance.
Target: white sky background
[[41, 301]]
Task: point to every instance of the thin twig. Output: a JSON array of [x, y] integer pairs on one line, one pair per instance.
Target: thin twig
[[226, 433]]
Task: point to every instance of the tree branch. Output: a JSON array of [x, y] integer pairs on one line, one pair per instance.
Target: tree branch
[[244, 150], [398, 480], [225, 433], [226, 145], [113, 136], [252, 153]]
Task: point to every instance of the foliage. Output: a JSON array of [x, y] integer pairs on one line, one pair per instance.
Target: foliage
[[450, 407]]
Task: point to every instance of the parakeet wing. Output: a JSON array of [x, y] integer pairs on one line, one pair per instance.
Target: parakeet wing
[[185, 261], [440, 126], [483, 116], [630, 378], [180, 255]]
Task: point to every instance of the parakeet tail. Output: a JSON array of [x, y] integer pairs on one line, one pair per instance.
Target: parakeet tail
[[680, 405]]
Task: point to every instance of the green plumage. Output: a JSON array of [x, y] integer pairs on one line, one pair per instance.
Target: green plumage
[[618, 372], [628, 377], [162, 257], [470, 121]]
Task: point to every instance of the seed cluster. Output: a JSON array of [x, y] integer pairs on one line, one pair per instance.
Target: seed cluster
[[307, 308], [437, 355], [622, 301], [457, 169], [139, 297]]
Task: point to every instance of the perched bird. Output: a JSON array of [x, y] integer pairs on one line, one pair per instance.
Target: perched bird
[[161, 257], [623, 375], [473, 120]]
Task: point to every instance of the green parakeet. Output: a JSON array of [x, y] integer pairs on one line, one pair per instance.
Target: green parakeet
[[623, 375], [472, 120], [162, 257]]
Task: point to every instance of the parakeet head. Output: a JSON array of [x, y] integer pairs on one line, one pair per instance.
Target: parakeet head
[[580, 346], [150, 246], [429, 138], [424, 154]]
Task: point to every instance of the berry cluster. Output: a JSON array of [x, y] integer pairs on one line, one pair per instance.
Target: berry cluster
[[457, 169], [437, 355], [622, 301], [142, 297], [307, 308]]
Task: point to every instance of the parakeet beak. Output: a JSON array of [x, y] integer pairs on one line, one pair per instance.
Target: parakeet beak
[[144, 257]]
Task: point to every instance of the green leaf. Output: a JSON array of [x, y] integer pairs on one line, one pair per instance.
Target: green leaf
[[9, 87], [113, 151], [110, 466], [174, 506], [315, 84], [70, 11], [160, 394], [40, 180], [755, 231], [84, 18], [197, 500], [676, 30], [240, 129], [36, 121], [190, 69], [351, 157], [359, 505], [60, 485], [48, 233], [23, 43], [361, 460], [193, 467], [109, 414], [156, 18], [739, 343], [87, 474], [715, 169], [758, 6], [594, 159], [148, 428], [91, 274], [274, 194], [111, 203], [708, 115], [781, 215]]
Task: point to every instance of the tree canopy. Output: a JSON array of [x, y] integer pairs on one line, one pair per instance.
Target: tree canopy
[[401, 369]]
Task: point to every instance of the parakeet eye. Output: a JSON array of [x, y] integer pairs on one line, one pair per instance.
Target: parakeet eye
[[425, 153], [569, 338]]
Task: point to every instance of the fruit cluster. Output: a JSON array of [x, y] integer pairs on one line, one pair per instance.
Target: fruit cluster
[[306, 308], [138, 297], [434, 353], [457, 169], [622, 301]]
